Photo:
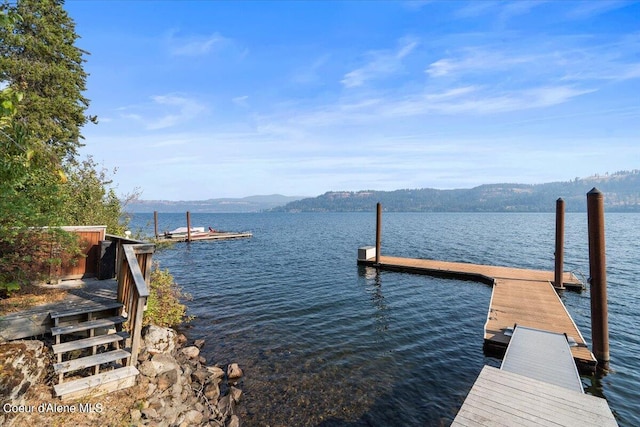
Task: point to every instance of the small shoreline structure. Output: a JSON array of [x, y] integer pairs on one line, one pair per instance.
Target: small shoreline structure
[[190, 234], [525, 303]]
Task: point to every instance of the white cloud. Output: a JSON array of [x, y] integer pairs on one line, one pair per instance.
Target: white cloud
[[440, 68], [382, 63], [584, 10], [195, 45], [241, 101], [164, 111], [182, 110], [311, 73], [483, 59]]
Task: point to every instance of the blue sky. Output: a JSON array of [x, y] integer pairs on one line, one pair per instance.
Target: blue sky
[[201, 100]]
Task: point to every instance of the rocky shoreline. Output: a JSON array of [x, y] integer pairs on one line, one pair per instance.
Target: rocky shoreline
[[175, 387], [180, 388]]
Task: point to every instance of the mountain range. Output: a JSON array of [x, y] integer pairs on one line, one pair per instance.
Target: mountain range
[[621, 194], [224, 205]]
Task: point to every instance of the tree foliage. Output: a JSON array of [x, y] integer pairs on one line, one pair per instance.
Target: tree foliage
[[42, 110], [39, 58], [91, 199]]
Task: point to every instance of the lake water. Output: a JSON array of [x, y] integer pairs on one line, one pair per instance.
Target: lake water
[[324, 342]]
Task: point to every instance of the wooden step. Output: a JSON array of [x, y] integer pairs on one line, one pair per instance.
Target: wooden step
[[89, 342], [85, 308], [109, 322], [96, 385], [86, 362]]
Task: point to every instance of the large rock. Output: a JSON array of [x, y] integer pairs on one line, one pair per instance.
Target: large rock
[[215, 371], [234, 371], [164, 362], [167, 379], [191, 352], [212, 392], [235, 394], [23, 365], [159, 340], [234, 421], [193, 417]]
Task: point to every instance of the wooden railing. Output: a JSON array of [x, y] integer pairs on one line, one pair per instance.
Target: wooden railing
[[134, 274]]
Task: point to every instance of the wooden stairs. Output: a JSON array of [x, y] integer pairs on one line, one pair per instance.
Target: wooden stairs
[[90, 341]]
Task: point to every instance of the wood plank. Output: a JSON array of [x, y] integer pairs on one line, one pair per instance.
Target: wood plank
[[85, 307], [504, 398], [96, 385], [490, 271], [533, 304], [545, 400], [89, 342], [89, 361], [92, 324]]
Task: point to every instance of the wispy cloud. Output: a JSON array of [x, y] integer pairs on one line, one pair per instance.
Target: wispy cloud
[[196, 45], [311, 73], [241, 101], [164, 111], [381, 63], [499, 10], [471, 100], [590, 9], [182, 110], [546, 62]]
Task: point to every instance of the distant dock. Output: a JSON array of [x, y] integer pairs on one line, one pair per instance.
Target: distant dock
[[191, 234], [207, 236]]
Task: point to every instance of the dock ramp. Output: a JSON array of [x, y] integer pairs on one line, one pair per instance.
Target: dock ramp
[[537, 385], [542, 355]]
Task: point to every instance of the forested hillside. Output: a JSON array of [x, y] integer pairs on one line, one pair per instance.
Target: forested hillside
[[621, 191]]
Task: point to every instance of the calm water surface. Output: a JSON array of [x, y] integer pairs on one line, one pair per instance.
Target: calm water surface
[[324, 342]]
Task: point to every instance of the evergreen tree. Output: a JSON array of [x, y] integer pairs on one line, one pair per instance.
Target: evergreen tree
[[39, 58]]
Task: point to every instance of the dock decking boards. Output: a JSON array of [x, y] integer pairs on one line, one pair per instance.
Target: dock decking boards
[[470, 271], [534, 304], [503, 398], [520, 296]]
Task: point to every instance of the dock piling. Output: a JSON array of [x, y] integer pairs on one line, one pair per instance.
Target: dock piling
[[155, 224], [188, 226], [378, 231], [559, 254], [597, 271]]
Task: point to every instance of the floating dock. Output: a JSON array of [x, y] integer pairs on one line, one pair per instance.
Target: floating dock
[[520, 296], [216, 235], [537, 385]]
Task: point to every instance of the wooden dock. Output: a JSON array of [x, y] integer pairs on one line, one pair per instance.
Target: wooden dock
[[503, 398], [208, 236], [537, 385], [520, 296]]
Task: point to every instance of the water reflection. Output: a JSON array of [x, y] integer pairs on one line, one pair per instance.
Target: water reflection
[[374, 289]]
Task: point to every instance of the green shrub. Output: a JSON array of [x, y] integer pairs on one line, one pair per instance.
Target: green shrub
[[164, 306]]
